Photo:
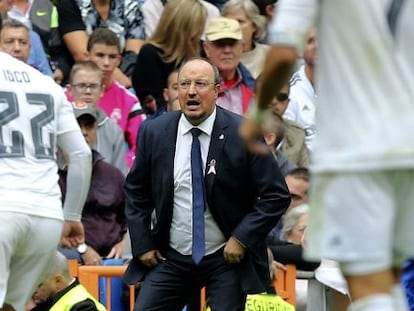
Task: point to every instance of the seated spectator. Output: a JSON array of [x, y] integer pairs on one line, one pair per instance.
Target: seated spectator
[[59, 291], [85, 88], [18, 40], [267, 8], [298, 182], [302, 103], [253, 27], [167, 49], [15, 39], [78, 19], [103, 215], [152, 10], [274, 134], [117, 102], [223, 46], [293, 144], [171, 92], [42, 15], [289, 248]]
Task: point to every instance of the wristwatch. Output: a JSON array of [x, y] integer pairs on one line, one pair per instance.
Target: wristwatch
[[82, 248]]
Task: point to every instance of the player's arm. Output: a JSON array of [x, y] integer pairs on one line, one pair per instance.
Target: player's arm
[[78, 179]]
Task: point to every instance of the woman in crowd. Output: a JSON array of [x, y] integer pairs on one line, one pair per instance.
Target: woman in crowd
[[254, 27], [176, 38]]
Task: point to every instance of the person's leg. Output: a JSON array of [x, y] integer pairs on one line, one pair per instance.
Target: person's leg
[[223, 286], [167, 286], [31, 258], [352, 222]]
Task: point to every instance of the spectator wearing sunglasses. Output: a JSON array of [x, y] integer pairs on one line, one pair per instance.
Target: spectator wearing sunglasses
[[292, 145], [301, 108]]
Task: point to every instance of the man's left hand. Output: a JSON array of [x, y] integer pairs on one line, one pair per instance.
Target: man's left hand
[[233, 251]]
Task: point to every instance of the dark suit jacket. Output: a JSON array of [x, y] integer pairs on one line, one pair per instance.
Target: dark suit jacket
[[246, 196]]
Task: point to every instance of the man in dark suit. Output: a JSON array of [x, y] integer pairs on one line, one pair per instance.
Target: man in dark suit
[[243, 196]]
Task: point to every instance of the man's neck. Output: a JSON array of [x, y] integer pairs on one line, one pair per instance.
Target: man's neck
[[228, 75], [310, 73], [108, 82]]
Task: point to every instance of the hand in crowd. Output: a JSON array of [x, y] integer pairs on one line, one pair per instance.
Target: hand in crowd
[[117, 251], [233, 251], [151, 258], [91, 257], [58, 76], [276, 266], [72, 234]]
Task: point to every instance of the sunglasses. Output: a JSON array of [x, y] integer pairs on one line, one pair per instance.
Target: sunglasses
[[282, 97]]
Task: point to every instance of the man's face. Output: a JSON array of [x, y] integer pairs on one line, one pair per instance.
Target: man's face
[[171, 92], [197, 92], [225, 54], [280, 101], [86, 86], [107, 58], [311, 48], [16, 42], [44, 291], [88, 126], [247, 26], [298, 189]]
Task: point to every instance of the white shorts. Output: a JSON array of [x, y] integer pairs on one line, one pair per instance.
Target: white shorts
[[27, 246], [364, 217]]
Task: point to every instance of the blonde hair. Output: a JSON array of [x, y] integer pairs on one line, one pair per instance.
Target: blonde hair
[[179, 30]]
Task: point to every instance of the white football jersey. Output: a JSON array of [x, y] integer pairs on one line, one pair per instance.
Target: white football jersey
[[365, 75], [33, 112]]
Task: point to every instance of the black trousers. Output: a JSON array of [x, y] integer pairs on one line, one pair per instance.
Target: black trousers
[[172, 283]]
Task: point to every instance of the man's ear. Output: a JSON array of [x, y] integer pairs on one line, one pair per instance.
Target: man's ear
[[165, 94], [269, 9], [206, 48], [119, 60], [60, 282], [69, 89], [217, 90]]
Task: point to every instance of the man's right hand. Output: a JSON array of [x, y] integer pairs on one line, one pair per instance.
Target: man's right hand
[[151, 258], [72, 234]]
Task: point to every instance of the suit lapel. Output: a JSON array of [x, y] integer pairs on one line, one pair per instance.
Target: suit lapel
[[218, 139], [170, 139]]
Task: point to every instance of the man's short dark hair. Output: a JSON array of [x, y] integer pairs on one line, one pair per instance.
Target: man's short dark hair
[[300, 173], [103, 36]]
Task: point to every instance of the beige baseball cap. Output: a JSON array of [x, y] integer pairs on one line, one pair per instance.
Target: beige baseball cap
[[223, 28]]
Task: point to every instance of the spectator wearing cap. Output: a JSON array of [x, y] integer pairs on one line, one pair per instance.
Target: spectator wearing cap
[[223, 46], [103, 216], [85, 88]]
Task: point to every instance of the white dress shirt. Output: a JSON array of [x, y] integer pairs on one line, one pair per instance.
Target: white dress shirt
[[181, 226]]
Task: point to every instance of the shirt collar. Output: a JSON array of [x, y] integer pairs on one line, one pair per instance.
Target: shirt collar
[[206, 126]]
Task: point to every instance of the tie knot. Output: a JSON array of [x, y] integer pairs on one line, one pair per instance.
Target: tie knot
[[195, 132]]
